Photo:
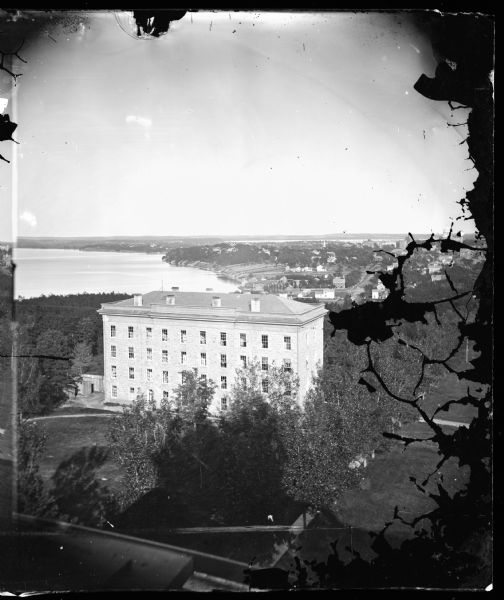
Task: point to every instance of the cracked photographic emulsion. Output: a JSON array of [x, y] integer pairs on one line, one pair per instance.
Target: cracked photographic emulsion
[[246, 265]]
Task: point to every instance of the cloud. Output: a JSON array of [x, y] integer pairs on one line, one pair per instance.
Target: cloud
[[28, 218], [142, 121]]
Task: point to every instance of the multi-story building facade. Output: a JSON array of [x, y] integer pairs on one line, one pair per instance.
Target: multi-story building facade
[[150, 340]]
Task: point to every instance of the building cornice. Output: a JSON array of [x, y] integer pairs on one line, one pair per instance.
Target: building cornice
[[219, 315]]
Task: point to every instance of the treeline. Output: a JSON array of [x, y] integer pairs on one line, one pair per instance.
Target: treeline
[[282, 253], [117, 244], [74, 316], [59, 338]]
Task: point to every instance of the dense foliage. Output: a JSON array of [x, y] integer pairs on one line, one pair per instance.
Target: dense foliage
[[302, 254], [58, 338]]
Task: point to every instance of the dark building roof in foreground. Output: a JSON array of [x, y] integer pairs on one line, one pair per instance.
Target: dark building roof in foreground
[[231, 307]]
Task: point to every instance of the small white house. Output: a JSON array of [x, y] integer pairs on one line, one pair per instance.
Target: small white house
[[91, 383], [324, 293]]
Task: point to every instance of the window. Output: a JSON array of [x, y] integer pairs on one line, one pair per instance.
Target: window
[[287, 366], [149, 353], [132, 391], [183, 358], [223, 340], [202, 337], [132, 372], [165, 395], [243, 360], [288, 390], [183, 336], [243, 340], [151, 395], [148, 331], [223, 382], [164, 335], [183, 377], [112, 331], [131, 352], [113, 351], [265, 386], [114, 391], [130, 331], [203, 377], [223, 403], [165, 356], [287, 342], [203, 359], [223, 360], [264, 363], [165, 376], [149, 374], [114, 371], [264, 341]]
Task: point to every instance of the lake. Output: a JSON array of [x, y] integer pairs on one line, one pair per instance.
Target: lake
[[45, 272]]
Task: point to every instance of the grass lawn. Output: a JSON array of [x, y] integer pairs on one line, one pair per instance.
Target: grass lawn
[[68, 435], [451, 388], [386, 484]]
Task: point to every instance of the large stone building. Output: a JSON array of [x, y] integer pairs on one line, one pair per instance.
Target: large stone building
[[151, 339]]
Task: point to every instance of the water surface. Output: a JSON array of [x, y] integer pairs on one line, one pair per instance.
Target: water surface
[[44, 272]]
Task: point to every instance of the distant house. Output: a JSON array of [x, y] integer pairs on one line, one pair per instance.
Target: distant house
[[434, 267], [307, 269], [320, 269], [324, 293], [380, 292], [368, 243], [437, 276], [339, 283], [331, 257]]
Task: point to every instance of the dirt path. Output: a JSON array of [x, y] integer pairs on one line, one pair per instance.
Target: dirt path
[[447, 423], [70, 416]]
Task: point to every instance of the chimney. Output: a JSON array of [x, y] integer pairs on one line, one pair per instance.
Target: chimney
[[175, 289], [216, 301], [255, 305], [170, 299], [137, 299]]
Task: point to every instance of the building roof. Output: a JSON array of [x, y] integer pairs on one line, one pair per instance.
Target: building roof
[[234, 307]]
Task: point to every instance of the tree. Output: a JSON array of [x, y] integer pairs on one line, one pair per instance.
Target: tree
[[82, 358], [55, 367], [32, 495], [252, 452], [193, 397], [135, 437]]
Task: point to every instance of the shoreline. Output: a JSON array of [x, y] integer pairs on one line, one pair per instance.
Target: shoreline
[[234, 273]]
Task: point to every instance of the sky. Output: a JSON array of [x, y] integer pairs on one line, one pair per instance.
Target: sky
[[235, 124]]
